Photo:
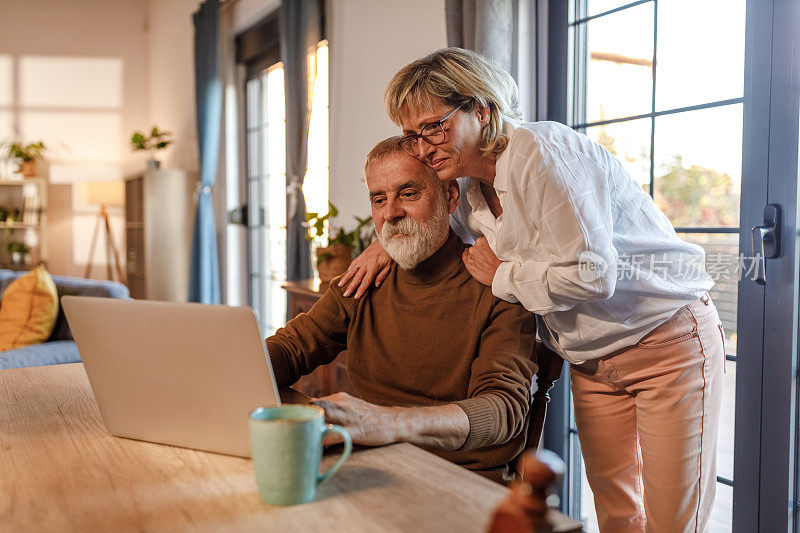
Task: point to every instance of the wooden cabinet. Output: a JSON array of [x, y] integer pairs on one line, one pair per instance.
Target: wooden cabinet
[[329, 378], [159, 214], [22, 219]]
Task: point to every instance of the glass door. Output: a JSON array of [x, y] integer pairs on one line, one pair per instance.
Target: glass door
[[266, 197], [670, 109], [669, 86], [266, 181]]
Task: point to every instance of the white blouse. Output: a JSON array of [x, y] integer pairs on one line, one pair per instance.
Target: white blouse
[[582, 245]]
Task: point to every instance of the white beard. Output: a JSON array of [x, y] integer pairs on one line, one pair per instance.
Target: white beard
[[420, 240]]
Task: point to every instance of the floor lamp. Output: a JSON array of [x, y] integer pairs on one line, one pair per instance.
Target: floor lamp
[[105, 194]]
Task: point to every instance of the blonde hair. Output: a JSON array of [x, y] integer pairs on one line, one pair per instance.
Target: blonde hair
[[462, 78]]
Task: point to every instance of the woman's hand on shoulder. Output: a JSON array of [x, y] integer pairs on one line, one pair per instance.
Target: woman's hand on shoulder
[[481, 261], [371, 266]]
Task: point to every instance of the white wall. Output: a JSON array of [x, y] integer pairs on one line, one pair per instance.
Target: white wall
[[63, 33], [171, 88], [76, 75], [370, 41]]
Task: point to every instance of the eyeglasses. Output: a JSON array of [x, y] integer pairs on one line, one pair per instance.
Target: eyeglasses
[[432, 133]]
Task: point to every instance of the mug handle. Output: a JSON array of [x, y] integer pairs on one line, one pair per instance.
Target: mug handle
[[348, 447]]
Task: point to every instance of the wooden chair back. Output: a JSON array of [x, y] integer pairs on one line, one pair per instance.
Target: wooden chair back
[[526, 509]]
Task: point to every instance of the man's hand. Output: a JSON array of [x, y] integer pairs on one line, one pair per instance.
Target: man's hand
[[367, 423], [481, 261], [443, 427]]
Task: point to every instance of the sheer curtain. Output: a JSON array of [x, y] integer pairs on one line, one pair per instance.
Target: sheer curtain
[[485, 26], [513, 33]]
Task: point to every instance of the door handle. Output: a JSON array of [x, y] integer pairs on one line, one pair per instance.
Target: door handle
[[238, 215], [767, 241], [241, 215]]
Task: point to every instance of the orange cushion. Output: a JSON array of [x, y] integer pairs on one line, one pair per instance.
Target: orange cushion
[[28, 310]]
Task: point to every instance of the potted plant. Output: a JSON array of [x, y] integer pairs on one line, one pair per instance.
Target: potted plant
[[8, 217], [18, 252], [334, 258], [26, 154], [157, 140]]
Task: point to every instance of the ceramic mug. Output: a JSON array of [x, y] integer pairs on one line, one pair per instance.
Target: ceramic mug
[[286, 446]]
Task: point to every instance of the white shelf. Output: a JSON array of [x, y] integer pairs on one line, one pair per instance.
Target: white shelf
[[18, 225], [16, 194], [22, 182]]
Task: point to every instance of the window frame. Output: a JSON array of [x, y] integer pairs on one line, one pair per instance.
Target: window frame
[[567, 104]]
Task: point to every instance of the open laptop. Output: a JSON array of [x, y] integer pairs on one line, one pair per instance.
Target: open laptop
[[176, 373]]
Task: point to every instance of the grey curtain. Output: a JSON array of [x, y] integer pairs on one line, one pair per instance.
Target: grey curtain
[[204, 274], [486, 26], [514, 34], [301, 29]]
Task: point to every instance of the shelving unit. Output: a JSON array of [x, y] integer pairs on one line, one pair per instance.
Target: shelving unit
[[159, 213], [25, 201]]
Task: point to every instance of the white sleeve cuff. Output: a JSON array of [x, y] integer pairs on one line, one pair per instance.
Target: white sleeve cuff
[[501, 285]]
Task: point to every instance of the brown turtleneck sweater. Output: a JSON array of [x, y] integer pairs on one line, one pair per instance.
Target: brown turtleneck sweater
[[427, 336]]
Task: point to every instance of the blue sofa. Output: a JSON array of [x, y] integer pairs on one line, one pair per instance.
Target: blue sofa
[[59, 348]]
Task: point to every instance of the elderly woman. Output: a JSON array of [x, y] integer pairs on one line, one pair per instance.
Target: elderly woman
[[562, 228]]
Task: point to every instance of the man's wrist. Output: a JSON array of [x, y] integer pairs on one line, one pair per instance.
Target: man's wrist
[[442, 426], [400, 423]]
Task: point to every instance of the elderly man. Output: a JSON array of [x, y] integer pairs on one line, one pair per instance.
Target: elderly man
[[435, 359]]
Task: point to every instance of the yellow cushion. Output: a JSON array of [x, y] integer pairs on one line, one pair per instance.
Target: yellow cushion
[[28, 310]]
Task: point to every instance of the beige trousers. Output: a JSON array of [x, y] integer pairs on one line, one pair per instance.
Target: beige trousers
[[647, 419]]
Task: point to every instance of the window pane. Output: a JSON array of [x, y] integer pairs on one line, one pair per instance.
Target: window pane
[[698, 160], [722, 513], [321, 82], [727, 416], [315, 185], [722, 264], [588, 514], [276, 104], [595, 7], [253, 156], [253, 102], [275, 190], [277, 302], [630, 142], [619, 77], [700, 52], [252, 194], [267, 197], [255, 252]]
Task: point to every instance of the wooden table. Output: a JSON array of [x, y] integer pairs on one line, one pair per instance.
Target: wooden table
[[60, 470]]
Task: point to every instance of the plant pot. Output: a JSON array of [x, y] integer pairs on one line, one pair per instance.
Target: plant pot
[[332, 261], [28, 168]]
